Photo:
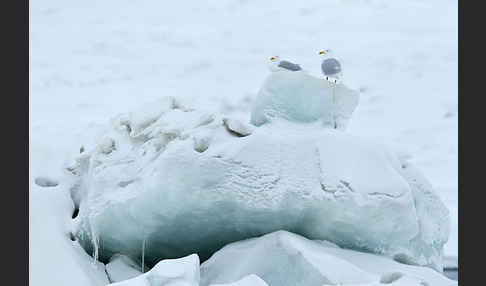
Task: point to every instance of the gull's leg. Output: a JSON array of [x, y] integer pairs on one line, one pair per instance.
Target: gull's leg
[[334, 104], [332, 83]]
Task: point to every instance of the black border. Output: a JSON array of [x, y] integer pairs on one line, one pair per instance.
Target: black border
[[460, 92], [471, 142], [15, 91], [15, 150]]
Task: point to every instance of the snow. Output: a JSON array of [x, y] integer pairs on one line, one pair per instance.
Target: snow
[[170, 272], [91, 60], [54, 259], [300, 97], [283, 258], [249, 280]]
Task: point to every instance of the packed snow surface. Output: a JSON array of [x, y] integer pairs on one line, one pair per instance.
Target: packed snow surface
[[146, 186], [283, 258]]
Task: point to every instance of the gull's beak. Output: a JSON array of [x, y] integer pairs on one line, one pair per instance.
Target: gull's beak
[[272, 59], [322, 53]]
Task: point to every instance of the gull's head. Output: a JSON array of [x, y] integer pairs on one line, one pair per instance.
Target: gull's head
[[325, 53], [273, 63]]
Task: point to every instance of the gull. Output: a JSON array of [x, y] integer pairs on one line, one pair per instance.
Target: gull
[[277, 65]]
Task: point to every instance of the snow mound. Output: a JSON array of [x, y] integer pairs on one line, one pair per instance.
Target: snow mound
[[249, 280], [169, 181], [282, 258], [300, 97], [237, 127], [171, 272]]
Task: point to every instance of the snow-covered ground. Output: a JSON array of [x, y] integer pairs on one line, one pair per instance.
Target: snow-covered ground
[[90, 60]]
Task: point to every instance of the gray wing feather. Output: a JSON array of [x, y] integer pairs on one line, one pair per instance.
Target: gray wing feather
[[289, 66], [330, 66]]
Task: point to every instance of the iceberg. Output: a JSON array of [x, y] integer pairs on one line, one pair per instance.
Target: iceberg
[[168, 181]]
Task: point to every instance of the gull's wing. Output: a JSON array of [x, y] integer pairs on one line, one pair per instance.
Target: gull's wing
[[330, 66], [289, 66]]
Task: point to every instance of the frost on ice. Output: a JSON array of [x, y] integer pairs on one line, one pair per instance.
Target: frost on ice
[[300, 97], [285, 259], [168, 181]]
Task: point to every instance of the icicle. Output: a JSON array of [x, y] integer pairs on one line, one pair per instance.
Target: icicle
[[143, 254], [95, 242], [94, 236]]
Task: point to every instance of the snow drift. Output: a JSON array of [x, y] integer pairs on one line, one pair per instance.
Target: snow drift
[[169, 181]]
